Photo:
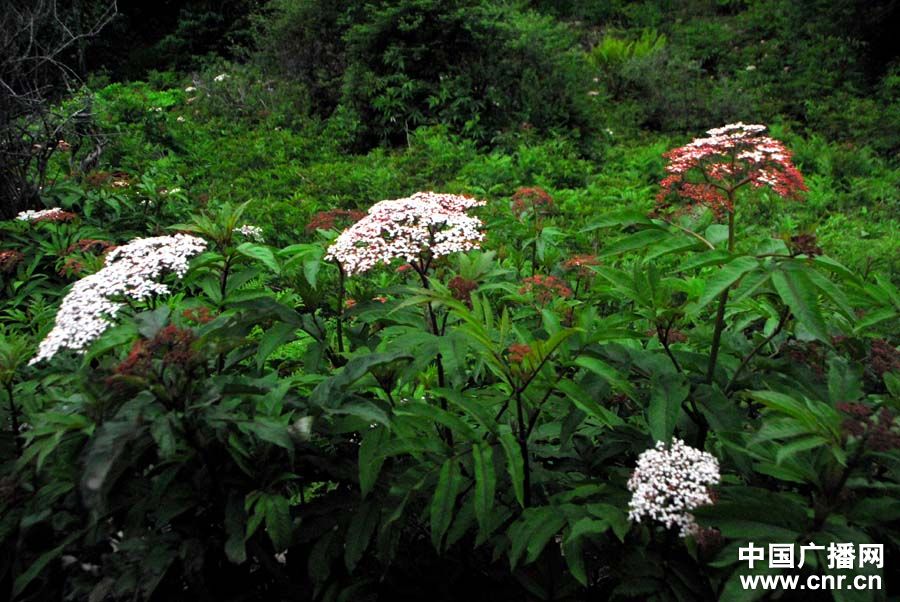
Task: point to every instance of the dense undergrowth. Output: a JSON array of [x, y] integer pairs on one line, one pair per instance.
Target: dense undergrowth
[[268, 416]]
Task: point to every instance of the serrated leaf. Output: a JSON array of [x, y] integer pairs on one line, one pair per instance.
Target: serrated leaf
[[272, 339], [260, 253], [370, 458], [533, 531], [724, 278], [515, 465], [444, 501], [586, 404], [485, 481], [667, 392], [278, 522], [360, 531], [608, 373], [799, 294]]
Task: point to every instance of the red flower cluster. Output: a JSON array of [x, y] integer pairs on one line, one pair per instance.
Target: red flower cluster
[[877, 430], [804, 244], [197, 315], [518, 352], [545, 288], [326, 220], [89, 245], [72, 266], [9, 260], [580, 264], [462, 289], [667, 337], [883, 358], [728, 158], [811, 354], [536, 200], [173, 344]]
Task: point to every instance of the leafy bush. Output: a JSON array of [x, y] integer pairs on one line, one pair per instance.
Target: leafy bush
[[278, 427]]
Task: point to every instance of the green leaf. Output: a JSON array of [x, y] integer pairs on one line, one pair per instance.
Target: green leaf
[[271, 431], [667, 393], [359, 533], [533, 531], [608, 373], [370, 458], [627, 217], [634, 241], [514, 464], [444, 501], [273, 338], [260, 253], [278, 522], [795, 447], [485, 481], [235, 526], [724, 278], [573, 551], [844, 382], [23, 580], [583, 402], [799, 294]]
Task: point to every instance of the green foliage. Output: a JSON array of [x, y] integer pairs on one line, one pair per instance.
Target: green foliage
[[276, 429]]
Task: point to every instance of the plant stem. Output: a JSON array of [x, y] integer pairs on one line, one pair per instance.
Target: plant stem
[[523, 448], [723, 302], [784, 315], [14, 416], [340, 309]]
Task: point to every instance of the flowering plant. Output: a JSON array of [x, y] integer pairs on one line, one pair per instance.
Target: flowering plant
[[132, 272], [417, 229], [708, 171], [670, 481]]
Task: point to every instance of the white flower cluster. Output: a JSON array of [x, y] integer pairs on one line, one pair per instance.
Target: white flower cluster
[[249, 232], [132, 271], [408, 228], [668, 483], [31, 215]]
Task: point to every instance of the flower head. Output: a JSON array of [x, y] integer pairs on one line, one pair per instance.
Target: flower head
[[416, 229], [518, 352], [326, 220], [46, 215], [580, 264], [545, 288], [537, 200], [669, 482], [9, 260], [132, 271], [253, 233], [708, 170]]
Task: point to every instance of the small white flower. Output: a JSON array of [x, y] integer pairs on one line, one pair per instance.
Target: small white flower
[[405, 228], [190, 89], [221, 77], [31, 215], [180, 119], [132, 271], [750, 68], [668, 483], [251, 232]]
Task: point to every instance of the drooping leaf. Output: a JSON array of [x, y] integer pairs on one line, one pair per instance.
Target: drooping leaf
[[444, 501], [724, 278], [514, 464], [800, 295], [667, 393], [485, 481], [261, 253]]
